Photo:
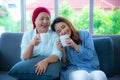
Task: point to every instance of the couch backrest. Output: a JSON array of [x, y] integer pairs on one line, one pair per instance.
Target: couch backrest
[[105, 51], [116, 45], [9, 49]]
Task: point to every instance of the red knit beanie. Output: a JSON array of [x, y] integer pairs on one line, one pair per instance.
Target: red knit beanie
[[36, 12]]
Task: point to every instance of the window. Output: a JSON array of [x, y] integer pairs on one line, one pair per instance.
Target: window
[[15, 15], [10, 16], [75, 10], [106, 16]]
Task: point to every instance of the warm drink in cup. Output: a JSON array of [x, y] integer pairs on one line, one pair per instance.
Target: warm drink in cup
[[44, 37], [62, 39]]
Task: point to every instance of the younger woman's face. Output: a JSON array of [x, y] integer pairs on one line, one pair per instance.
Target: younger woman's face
[[42, 22], [62, 28]]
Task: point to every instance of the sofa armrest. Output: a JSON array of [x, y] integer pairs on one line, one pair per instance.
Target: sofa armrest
[[9, 50], [105, 51]]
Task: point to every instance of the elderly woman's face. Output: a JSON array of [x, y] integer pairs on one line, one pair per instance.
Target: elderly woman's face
[[42, 22], [62, 28]]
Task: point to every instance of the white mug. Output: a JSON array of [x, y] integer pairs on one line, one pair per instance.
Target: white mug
[[62, 39], [44, 38]]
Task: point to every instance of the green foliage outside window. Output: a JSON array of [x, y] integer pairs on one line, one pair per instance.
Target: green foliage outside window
[[116, 21], [7, 21], [104, 22]]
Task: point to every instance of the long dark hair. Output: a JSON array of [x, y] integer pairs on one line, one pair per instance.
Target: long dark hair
[[74, 35]]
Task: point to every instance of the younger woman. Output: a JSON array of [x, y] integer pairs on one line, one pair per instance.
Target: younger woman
[[82, 60]]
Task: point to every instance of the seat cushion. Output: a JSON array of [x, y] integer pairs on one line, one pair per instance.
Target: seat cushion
[[26, 70], [104, 49]]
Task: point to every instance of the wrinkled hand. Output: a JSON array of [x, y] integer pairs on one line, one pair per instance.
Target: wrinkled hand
[[41, 67], [36, 40]]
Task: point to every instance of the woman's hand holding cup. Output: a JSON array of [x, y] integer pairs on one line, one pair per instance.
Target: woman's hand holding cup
[[63, 40], [36, 40]]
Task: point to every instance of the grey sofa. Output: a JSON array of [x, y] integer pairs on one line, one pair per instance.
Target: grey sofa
[[107, 47]]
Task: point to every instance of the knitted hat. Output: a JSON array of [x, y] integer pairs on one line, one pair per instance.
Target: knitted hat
[[36, 12]]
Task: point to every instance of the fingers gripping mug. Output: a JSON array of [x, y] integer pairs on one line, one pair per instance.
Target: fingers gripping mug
[[62, 39]]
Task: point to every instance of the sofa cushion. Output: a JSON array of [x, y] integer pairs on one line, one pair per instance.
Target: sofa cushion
[[104, 49], [116, 45], [9, 50], [26, 70]]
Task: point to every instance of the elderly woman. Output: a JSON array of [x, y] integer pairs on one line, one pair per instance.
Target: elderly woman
[[82, 61], [39, 61]]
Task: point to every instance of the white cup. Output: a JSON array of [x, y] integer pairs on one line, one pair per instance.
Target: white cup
[[44, 38], [62, 39]]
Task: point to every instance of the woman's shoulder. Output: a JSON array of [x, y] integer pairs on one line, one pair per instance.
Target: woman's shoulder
[[52, 33], [29, 33], [83, 32]]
